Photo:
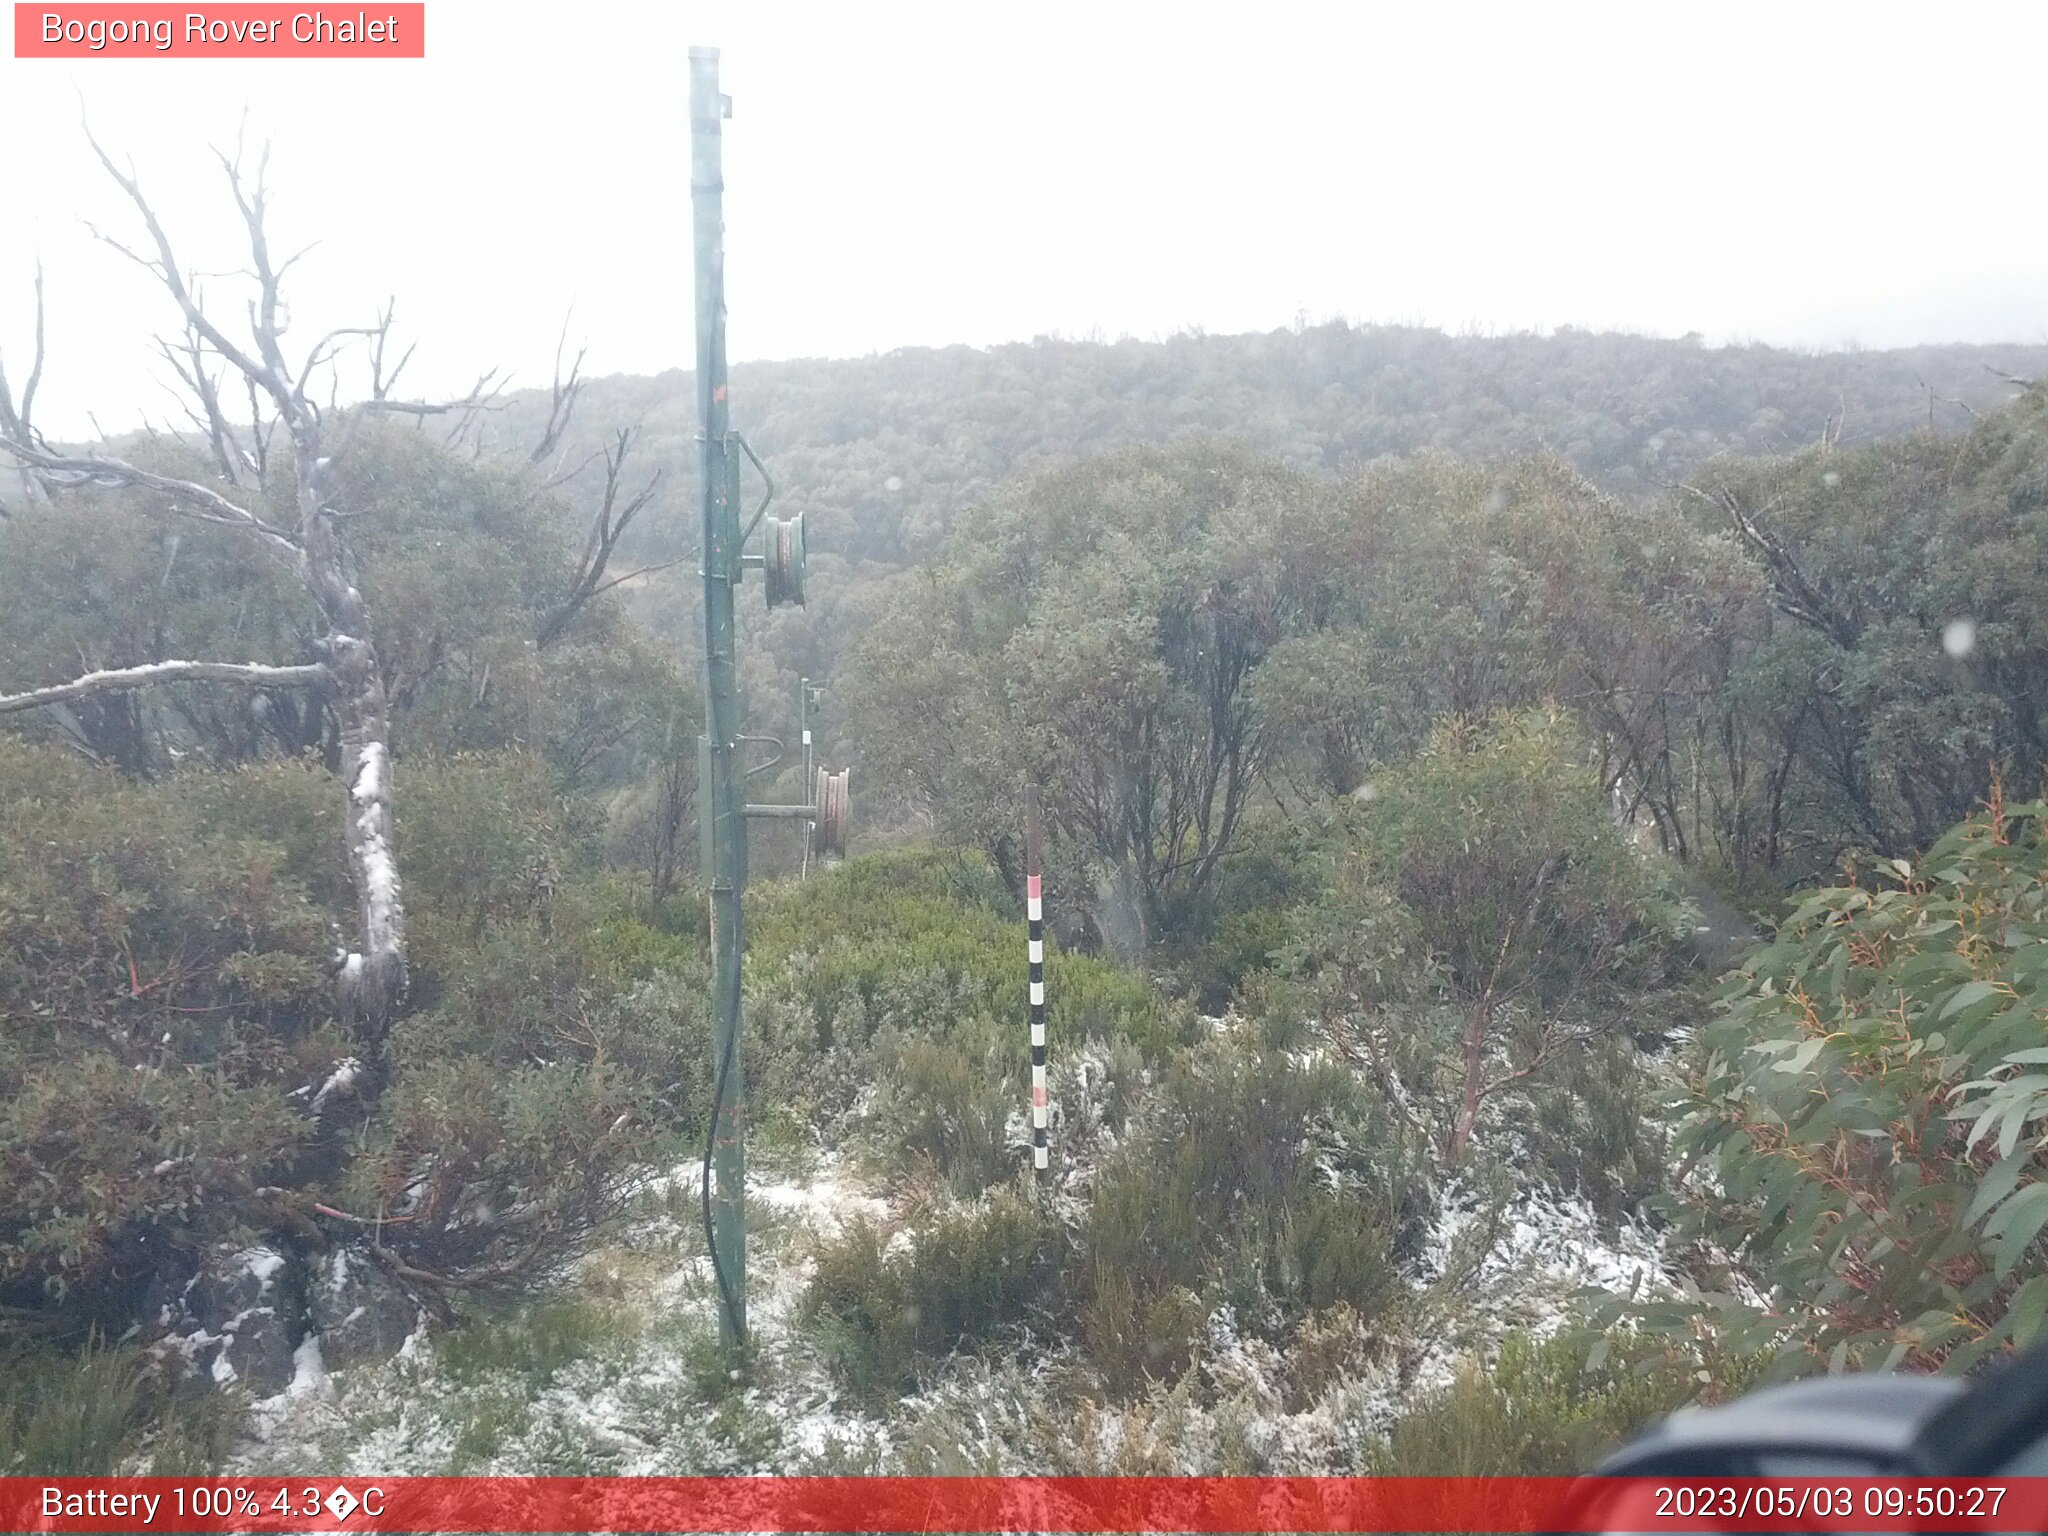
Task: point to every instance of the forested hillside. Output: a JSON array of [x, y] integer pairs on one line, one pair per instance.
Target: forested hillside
[[1782, 661], [884, 453]]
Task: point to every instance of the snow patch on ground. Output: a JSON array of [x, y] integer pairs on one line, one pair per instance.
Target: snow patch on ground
[[1499, 1269], [826, 1203], [305, 1408], [309, 1371], [262, 1265], [1543, 1237], [648, 1403], [654, 1401]]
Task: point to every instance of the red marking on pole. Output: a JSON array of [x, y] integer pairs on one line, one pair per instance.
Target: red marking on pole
[[1034, 887]]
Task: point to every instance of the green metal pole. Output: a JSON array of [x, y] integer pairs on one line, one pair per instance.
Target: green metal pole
[[725, 844]]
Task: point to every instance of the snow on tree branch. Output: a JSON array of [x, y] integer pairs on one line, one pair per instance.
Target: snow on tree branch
[[197, 500], [249, 674], [372, 980]]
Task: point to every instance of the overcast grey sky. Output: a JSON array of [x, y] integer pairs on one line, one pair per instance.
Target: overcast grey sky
[[975, 172]]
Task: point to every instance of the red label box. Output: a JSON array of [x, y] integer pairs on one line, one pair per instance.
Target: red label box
[[376, 30]]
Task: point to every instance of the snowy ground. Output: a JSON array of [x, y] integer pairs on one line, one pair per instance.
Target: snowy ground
[[648, 1396], [647, 1400]]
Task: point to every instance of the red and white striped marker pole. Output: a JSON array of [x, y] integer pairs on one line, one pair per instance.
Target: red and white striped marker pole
[[1034, 915]]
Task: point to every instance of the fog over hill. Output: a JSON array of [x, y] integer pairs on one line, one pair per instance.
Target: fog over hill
[[883, 452]]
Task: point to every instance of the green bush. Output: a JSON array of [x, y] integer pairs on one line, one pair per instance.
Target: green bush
[[1329, 1348], [1867, 1115], [881, 1309], [1239, 1130], [1543, 1410], [534, 1340], [162, 984], [890, 938], [1596, 1125], [97, 1411], [1232, 929], [66, 1415], [485, 839], [1135, 1337], [1480, 925], [945, 1104], [1225, 1196], [166, 1019], [903, 970], [1336, 1250]]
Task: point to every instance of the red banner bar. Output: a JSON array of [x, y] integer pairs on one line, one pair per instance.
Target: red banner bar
[[1049, 1504], [376, 30]]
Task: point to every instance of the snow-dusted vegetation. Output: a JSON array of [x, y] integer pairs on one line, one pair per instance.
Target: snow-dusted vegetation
[[618, 1370]]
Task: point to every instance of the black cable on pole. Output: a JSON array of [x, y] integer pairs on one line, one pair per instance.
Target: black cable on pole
[[726, 1298]]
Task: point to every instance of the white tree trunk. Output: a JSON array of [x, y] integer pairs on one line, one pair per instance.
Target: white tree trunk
[[373, 977]]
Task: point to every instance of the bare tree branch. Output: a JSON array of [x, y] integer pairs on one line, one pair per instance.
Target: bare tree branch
[[480, 397], [166, 268], [606, 529], [35, 371], [382, 383], [483, 398], [19, 424], [1796, 594], [189, 362], [264, 321], [260, 432], [561, 398], [563, 477], [1552, 1043], [250, 674], [199, 501], [1932, 398], [636, 573], [320, 352]]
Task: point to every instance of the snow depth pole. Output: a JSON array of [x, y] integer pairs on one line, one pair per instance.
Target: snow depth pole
[[725, 835], [1034, 927]]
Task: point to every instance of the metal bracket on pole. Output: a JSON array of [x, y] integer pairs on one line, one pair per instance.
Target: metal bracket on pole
[[784, 812], [808, 694], [767, 479], [770, 741]]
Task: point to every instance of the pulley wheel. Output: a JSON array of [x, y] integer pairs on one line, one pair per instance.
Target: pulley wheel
[[832, 808], [783, 562]]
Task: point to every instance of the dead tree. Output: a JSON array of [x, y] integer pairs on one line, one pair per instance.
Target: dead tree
[[17, 422], [309, 544], [607, 527], [561, 401]]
